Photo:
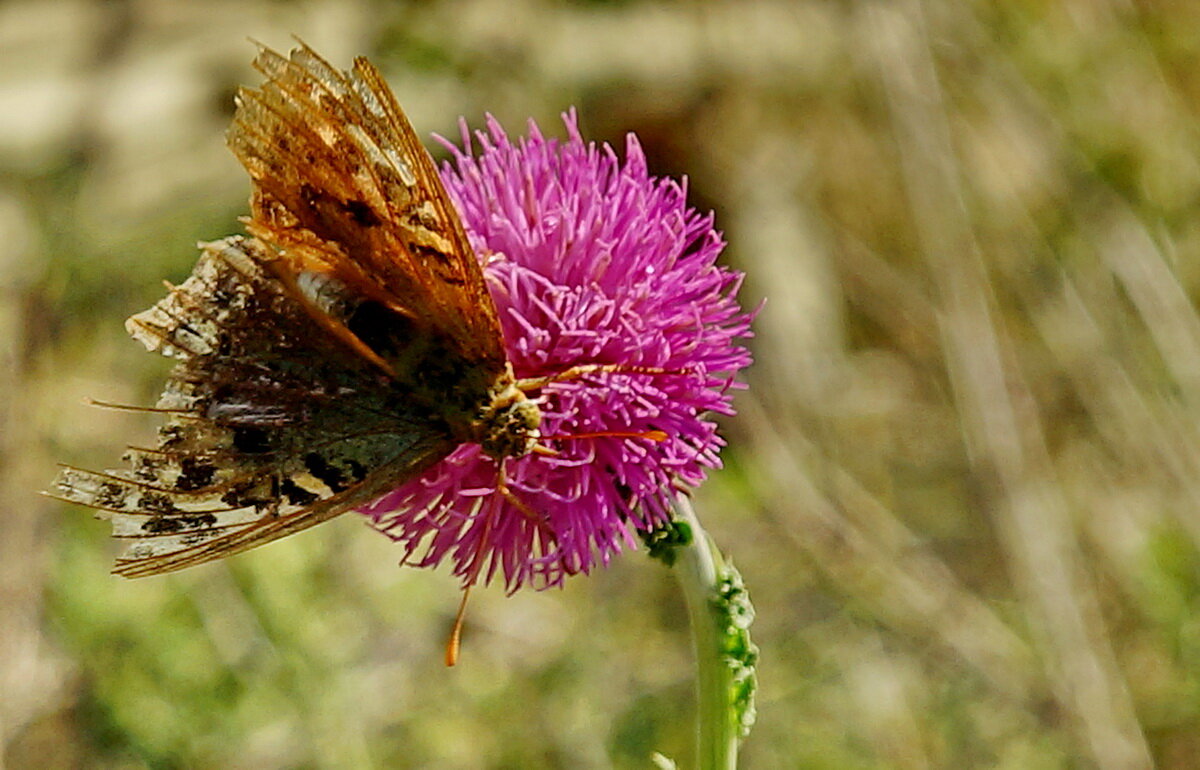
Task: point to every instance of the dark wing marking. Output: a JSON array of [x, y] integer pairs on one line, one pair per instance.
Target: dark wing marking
[[342, 185], [198, 529], [272, 424]]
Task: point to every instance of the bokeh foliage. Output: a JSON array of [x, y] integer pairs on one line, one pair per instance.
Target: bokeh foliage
[[964, 489]]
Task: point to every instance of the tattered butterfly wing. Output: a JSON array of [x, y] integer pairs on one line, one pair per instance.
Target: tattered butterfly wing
[[345, 349], [343, 185], [274, 425]]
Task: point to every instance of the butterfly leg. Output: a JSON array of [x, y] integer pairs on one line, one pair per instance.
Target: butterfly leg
[[455, 641], [453, 644], [516, 502]]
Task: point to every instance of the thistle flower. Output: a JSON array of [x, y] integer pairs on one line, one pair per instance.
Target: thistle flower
[[590, 261]]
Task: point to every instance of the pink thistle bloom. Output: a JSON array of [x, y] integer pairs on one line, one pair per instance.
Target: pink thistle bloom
[[589, 261]]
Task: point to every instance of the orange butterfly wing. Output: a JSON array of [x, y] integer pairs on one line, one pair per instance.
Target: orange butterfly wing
[[343, 186]]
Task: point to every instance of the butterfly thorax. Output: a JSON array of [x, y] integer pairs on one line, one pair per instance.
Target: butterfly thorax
[[479, 404], [508, 426]]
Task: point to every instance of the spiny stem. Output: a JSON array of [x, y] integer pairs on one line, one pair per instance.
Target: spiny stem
[[721, 613]]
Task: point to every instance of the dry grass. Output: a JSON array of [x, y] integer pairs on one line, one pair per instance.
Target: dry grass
[[965, 484]]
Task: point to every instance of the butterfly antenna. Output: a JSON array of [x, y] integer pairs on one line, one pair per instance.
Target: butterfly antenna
[[132, 408], [575, 372], [653, 435]]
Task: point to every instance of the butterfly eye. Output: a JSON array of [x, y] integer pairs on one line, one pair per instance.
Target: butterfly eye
[[527, 416]]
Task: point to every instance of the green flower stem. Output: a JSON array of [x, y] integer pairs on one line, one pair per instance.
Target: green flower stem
[[720, 613]]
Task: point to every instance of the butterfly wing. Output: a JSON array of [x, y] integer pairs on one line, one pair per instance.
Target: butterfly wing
[[273, 425], [342, 185]]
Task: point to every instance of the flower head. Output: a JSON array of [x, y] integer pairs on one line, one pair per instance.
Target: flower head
[[589, 261]]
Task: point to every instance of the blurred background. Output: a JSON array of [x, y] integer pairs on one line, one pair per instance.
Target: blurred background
[[964, 485]]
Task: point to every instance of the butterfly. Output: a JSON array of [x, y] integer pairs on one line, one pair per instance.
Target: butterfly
[[342, 347]]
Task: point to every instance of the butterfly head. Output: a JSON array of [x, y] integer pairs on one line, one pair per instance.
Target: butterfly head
[[509, 427]]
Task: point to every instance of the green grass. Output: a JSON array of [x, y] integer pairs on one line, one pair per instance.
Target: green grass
[[963, 489]]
